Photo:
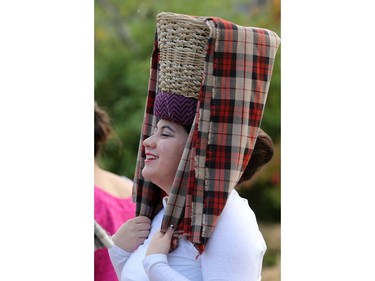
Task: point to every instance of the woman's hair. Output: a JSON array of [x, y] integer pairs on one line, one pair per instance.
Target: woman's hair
[[103, 128], [262, 154]]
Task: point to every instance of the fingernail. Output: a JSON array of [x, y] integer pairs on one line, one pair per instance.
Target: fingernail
[[171, 226]]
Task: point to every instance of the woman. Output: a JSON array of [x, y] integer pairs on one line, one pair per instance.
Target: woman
[[112, 199], [203, 112]]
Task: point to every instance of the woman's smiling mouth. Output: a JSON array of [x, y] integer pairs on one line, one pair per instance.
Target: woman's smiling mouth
[[150, 157]]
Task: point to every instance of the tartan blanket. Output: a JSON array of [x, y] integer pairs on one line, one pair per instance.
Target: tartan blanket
[[234, 88]]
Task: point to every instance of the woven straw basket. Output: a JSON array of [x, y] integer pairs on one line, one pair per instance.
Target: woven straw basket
[[182, 42]]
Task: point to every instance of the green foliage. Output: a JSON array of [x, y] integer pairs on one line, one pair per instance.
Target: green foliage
[[271, 257], [124, 33]]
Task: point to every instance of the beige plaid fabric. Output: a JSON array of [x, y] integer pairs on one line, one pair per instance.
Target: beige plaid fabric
[[101, 237], [234, 88]]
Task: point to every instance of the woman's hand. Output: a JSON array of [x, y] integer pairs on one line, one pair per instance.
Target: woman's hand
[[160, 242], [132, 233]]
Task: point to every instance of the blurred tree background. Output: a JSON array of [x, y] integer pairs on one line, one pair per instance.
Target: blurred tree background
[[124, 33]]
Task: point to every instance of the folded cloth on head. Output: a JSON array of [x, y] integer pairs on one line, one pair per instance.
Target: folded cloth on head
[[230, 92]]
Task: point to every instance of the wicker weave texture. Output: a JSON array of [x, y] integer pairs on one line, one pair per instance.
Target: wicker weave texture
[[182, 42]]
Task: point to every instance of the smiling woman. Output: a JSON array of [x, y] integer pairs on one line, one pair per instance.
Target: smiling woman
[[163, 152], [184, 235]]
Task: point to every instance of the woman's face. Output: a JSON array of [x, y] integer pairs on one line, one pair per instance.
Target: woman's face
[[163, 153]]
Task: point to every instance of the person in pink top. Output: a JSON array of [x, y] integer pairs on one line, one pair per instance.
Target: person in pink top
[[112, 198]]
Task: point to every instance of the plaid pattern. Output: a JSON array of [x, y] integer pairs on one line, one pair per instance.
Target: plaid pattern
[[234, 88], [101, 237]]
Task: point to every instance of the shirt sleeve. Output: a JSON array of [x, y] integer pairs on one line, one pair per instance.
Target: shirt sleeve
[[118, 258], [231, 262], [157, 269], [236, 248]]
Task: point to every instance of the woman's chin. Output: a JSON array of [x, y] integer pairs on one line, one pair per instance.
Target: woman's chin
[[147, 174]]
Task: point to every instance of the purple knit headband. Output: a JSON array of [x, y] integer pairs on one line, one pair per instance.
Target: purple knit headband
[[175, 108]]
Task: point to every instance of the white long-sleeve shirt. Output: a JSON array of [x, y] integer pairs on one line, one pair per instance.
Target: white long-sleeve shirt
[[234, 251]]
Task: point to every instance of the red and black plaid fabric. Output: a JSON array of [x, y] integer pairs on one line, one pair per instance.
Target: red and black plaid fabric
[[234, 88]]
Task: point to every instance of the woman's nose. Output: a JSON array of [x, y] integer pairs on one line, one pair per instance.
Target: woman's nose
[[148, 141]]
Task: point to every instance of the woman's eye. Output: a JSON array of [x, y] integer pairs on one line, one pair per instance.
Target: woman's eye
[[165, 135]]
